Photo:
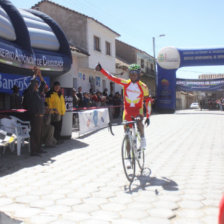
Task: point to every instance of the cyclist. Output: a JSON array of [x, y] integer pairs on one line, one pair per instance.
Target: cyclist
[[135, 93]]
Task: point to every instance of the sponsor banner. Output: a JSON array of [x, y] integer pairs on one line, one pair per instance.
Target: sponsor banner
[[91, 120], [200, 57], [67, 93], [166, 89], [169, 58], [199, 85], [7, 81], [173, 58], [15, 56]]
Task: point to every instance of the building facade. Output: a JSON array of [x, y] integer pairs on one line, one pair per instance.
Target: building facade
[[95, 41], [127, 54]]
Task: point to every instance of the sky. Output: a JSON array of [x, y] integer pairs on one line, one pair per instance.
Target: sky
[[186, 24]]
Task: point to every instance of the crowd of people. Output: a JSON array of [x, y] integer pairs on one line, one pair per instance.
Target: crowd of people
[[44, 109], [97, 99], [212, 104], [220, 103]]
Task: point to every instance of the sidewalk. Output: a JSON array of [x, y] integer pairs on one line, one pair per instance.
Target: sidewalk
[[82, 180]]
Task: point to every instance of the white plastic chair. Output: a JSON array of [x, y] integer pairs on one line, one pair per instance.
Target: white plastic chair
[[5, 141], [19, 128]]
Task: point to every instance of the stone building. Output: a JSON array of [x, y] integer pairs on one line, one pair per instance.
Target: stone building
[[127, 54], [94, 40]]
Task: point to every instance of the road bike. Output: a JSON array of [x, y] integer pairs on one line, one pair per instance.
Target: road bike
[[131, 151]]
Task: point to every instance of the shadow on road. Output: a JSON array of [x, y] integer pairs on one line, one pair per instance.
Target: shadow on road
[[144, 181], [10, 162]]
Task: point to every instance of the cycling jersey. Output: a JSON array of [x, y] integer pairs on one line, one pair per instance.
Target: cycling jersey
[[134, 95]]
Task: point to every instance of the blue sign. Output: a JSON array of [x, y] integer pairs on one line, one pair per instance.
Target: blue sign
[[170, 59], [165, 84], [7, 81], [199, 85], [21, 55], [201, 57]]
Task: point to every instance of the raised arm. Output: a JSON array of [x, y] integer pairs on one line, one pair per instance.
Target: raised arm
[[111, 77]]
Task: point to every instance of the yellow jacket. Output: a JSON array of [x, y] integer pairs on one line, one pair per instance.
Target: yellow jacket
[[56, 102]]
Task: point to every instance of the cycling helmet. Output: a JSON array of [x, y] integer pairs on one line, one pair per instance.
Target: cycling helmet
[[135, 69]]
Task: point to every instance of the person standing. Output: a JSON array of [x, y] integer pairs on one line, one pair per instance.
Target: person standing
[[56, 102], [47, 137], [15, 98], [75, 98], [80, 96], [35, 110]]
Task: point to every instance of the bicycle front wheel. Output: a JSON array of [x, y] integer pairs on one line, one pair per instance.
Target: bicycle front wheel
[[128, 158], [140, 153]]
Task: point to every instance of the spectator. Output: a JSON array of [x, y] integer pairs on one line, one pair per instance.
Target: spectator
[[15, 98], [86, 100], [110, 99], [80, 96], [98, 94], [222, 103], [105, 92], [47, 129], [75, 98], [117, 103], [35, 107], [56, 101], [94, 99]]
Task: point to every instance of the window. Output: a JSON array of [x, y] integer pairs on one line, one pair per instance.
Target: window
[[152, 67], [107, 48], [97, 43], [142, 63]]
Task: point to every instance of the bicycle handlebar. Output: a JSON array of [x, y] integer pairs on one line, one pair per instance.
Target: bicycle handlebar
[[110, 128], [134, 120]]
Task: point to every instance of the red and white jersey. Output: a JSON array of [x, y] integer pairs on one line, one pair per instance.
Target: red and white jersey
[[134, 94]]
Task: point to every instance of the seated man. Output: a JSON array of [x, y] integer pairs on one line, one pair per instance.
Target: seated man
[[47, 137]]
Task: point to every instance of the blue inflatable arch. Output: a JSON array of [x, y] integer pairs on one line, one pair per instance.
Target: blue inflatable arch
[[28, 38], [170, 59]]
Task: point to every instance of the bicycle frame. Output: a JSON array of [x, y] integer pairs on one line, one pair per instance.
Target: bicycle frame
[[133, 133], [130, 149]]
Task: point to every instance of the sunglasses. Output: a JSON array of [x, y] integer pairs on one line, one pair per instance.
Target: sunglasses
[[134, 72]]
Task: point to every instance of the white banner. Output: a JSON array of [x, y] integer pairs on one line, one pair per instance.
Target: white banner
[[91, 120]]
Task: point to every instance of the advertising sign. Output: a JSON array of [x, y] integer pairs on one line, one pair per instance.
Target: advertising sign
[[166, 83], [91, 120], [67, 92], [170, 59], [199, 85], [7, 81], [201, 57], [15, 56]]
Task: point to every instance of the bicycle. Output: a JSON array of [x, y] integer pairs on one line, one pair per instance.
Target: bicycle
[[131, 150]]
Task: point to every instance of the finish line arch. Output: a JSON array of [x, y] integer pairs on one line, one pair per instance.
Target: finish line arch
[[170, 59]]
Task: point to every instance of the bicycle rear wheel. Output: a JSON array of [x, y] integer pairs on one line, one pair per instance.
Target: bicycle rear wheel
[[141, 154], [128, 158]]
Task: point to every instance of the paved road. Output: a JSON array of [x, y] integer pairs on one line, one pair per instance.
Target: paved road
[[82, 181]]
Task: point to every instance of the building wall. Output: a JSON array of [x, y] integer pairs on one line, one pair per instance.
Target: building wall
[[125, 52], [107, 61], [148, 67], [73, 24]]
